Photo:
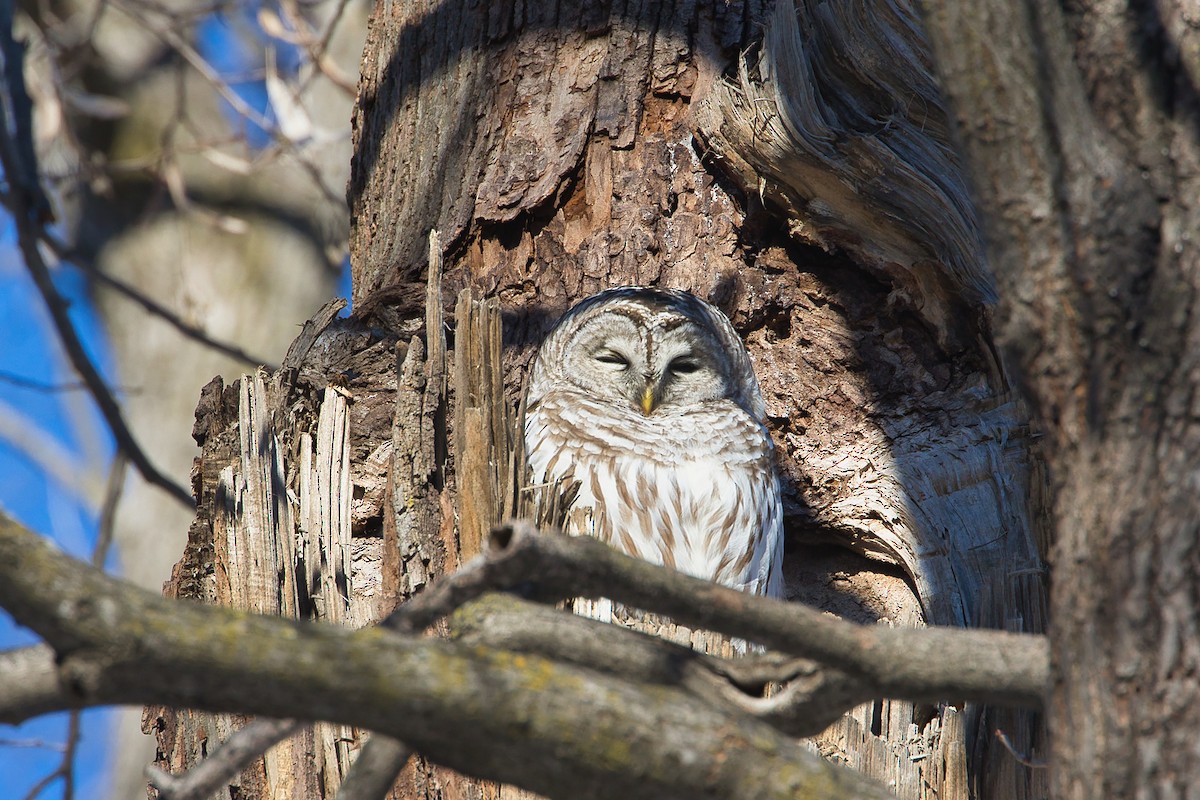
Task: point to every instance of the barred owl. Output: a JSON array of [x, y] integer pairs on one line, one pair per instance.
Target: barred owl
[[648, 399]]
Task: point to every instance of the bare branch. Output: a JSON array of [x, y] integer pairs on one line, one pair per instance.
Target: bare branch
[[167, 34], [30, 209], [41, 785], [813, 698], [923, 665], [166, 31], [34, 744], [66, 767], [16, 143], [376, 769], [302, 34], [556, 729], [233, 755], [154, 308], [30, 685], [39, 386], [107, 404], [108, 509]]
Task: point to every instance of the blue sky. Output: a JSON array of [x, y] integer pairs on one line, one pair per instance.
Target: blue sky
[[29, 350]]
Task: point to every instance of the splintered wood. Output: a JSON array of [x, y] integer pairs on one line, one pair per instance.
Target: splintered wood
[[489, 437], [281, 544], [486, 440], [416, 547]]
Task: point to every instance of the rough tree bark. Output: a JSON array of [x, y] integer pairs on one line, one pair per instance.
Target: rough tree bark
[[1091, 208], [762, 158]]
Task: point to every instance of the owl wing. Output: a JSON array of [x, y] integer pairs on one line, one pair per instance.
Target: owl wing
[[738, 524], [763, 573]]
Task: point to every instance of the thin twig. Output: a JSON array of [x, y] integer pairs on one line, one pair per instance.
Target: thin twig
[[230, 758], [30, 209], [109, 408], [376, 769], [1024, 760], [33, 744], [169, 37], [108, 509], [303, 35], [74, 733], [65, 771], [39, 386], [42, 785], [154, 308]]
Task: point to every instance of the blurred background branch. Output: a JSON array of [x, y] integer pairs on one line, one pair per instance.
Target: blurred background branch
[[188, 199]]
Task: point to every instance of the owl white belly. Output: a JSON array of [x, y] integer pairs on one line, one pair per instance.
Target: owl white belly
[[700, 497]]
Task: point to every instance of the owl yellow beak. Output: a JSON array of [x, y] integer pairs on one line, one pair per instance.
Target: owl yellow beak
[[649, 401]]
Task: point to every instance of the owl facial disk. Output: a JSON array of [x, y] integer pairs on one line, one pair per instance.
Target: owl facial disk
[[668, 364], [687, 368]]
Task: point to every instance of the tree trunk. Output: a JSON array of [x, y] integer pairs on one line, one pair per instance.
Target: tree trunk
[[560, 158], [281, 530], [756, 157], [1091, 209]]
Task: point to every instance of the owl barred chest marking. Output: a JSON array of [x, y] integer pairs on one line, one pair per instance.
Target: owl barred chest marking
[[647, 398], [698, 502]]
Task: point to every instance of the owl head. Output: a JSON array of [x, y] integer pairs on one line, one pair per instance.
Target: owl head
[[655, 351]]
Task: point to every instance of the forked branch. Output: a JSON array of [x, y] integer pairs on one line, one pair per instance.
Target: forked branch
[[525, 695], [932, 664]]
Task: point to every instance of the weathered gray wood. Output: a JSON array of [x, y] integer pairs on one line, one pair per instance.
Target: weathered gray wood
[[836, 117], [414, 547], [276, 533]]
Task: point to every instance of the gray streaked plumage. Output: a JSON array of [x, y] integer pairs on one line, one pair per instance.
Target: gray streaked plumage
[[647, 398]]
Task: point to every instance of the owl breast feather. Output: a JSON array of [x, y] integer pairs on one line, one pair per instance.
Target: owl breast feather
[[693, 491]]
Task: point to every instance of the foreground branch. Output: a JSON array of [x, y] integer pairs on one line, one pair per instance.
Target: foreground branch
[[557, 729], [225, 762], [30, 685], [813, 698], [925, 665]]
